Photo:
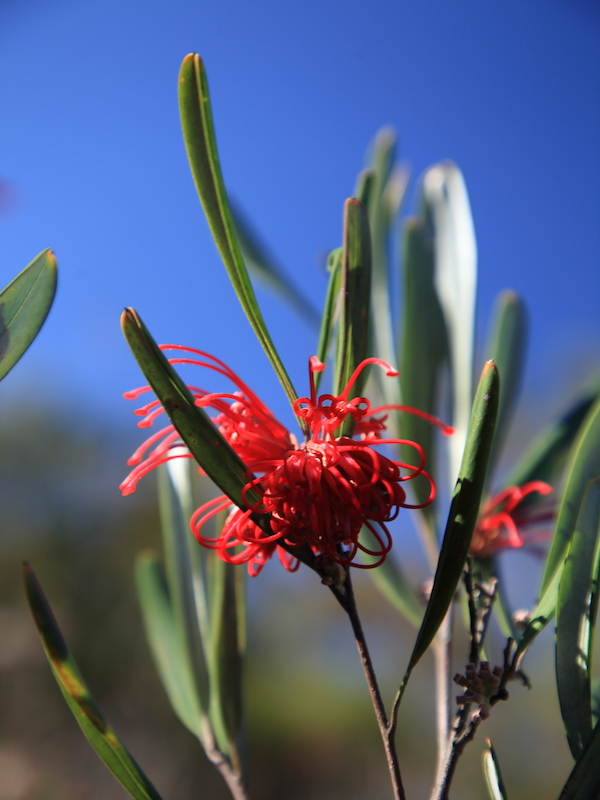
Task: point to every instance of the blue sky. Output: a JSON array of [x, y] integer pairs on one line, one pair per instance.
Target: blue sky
[[90, 142]]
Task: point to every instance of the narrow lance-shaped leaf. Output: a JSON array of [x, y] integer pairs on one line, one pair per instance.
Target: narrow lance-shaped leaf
[[353, 331], [204, 441], [464, 509], [165, 643], [446, 210], [381, 159], [574, 623], [424, 351], [79, 699], [584, 781], [226, 604], [506, 346], [201, 146], [262, 264], [24, 305], [331, 310], [584, 466]]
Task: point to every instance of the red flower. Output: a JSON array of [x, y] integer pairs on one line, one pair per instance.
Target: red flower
[[320, 492], [502, 521]]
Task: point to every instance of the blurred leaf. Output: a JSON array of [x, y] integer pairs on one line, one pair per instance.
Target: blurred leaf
[[334, 264], [353, 331], [24, 305], [423, 354], [575, 625], [464, 509], [185, 580], [364, 186], [226, 583], [584, 781], [493, 776], [201, 146], [583, 466], [506, 346], [446, 210], [97, 731], [259, 261], [545, 457], [382, 152], [165, 643]]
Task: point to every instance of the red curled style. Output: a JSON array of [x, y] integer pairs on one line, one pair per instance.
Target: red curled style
[[319, 493]]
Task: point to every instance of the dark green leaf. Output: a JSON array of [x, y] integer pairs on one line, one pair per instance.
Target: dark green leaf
[[201, 146], [506, 346], [574, 624], [261, 263], [353, 332], [79, 699], [584, 466], [584, 781], [24, 305], [493, 776], [464, 509]]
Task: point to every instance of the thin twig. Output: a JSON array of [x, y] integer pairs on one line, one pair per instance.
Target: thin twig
[[231, 776], [387, 730]]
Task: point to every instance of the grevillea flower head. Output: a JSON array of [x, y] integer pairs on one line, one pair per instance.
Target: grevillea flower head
[[505, 519], [319, 493]]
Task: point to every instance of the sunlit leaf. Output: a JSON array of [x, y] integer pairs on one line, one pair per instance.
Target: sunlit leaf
[[79, 699], [24, 305], [584, 466], [353, 330], [445, 208], [575, 625], [464, 509], [424, 352], [201, 146]]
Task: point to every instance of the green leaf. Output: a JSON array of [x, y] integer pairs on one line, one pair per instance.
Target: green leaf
[[263, 266], [584, 466], [506, 346], [170, 658], [353, 331], [331, 310], [447, 212], [24, 305], [227, 613], [381, 159], [201, 146], [423, 355], [464, 509], [493, 776], [79, 699], [584, 781], [575, 623]]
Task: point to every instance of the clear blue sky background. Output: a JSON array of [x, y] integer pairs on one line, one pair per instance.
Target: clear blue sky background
[[90, 140]]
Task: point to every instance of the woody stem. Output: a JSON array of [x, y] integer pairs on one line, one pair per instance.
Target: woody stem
[[387, 730]]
